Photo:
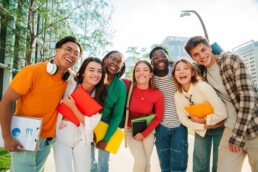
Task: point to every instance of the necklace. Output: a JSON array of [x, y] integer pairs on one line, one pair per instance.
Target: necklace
[[141, 93]]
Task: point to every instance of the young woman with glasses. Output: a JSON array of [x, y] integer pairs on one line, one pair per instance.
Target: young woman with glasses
[[113, 108]]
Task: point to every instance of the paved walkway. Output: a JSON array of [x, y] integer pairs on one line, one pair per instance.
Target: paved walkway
[[123, 160]]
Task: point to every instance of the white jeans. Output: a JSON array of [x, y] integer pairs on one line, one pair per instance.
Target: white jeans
[[141, 151], [69, 152], [233, 162]]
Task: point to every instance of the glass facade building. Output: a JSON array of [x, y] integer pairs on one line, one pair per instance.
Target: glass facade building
[[175, 46], [249, 54]]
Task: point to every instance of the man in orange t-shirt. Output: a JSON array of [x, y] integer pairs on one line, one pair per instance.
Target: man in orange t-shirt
[[38, 89]]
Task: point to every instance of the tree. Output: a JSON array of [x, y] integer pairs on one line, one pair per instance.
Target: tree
[[94, 20], [38, 24], [134, 55]]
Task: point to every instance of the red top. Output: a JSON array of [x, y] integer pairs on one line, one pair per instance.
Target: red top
[[145, 102]]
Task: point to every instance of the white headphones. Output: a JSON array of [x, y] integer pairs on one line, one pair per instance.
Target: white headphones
[[53, 68]]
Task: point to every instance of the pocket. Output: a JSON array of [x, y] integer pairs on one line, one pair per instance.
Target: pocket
[[63, 131]]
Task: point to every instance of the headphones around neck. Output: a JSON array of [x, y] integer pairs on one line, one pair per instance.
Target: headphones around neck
[[53, 68]]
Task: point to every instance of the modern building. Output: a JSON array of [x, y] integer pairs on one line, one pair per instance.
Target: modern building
[[249, 53], [175, 46]]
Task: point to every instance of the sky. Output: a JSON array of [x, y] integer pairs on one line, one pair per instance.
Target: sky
[[142, 23]]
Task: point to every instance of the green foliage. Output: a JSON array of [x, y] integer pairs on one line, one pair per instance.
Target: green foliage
[[35, 26], [134, 55], [4, 160]]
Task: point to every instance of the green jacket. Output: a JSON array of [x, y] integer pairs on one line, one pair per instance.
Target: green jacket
[[114, 106]]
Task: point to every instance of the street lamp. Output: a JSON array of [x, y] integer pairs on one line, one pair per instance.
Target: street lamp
[[188, 13]]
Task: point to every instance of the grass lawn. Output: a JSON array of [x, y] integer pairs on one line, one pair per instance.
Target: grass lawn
[[4, 160]]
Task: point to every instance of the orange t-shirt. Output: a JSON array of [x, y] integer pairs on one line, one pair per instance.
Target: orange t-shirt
[[40, 95]]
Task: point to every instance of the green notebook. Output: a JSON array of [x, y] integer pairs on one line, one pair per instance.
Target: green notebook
[[148, 120]]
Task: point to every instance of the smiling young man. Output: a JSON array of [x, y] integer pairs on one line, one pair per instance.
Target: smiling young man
[[230, 78], [38, 89], [171, 135]]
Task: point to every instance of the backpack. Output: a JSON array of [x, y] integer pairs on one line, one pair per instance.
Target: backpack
[[127, 84]]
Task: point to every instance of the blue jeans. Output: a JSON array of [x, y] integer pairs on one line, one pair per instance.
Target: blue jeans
[[25, 161], [202, 150], [102, 165], [172, 148]]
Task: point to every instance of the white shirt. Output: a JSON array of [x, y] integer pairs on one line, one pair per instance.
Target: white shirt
[[201, 92], [90, 122]]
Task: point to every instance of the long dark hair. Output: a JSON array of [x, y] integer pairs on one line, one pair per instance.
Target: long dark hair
[[100, 88], [122, 69]]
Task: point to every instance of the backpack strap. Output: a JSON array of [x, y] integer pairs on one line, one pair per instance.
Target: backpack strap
[[127, 110]]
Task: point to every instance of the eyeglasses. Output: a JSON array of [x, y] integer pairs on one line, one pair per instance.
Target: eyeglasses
[[159, 58], [69, 51], [115, 61]]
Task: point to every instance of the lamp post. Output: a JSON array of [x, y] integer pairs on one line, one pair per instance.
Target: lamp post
[[188, 13]]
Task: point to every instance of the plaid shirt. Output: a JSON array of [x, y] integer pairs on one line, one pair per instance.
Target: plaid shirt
[[242, 92]]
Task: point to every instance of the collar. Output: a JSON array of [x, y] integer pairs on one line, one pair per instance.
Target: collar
[[190, 91]]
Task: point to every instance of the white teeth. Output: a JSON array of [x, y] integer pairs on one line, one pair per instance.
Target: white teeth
[[94, 78], [204, 60], [69, 60], [183, 77]]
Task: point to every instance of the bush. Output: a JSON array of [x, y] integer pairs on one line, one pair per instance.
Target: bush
[[4, 160]]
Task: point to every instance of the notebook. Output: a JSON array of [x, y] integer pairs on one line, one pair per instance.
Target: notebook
[[138, 127], [27, 131], [200, 110], [114, 142], [148, 120], [84, 102]]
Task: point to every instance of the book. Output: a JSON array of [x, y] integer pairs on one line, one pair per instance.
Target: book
[[114, 142], [148, 120], [87, 105], [27, 131], [138, 127], [200, 110]]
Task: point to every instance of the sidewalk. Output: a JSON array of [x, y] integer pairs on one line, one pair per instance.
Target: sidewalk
[[123, 160]]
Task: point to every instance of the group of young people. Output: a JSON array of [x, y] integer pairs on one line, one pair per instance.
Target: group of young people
[[159, 87]]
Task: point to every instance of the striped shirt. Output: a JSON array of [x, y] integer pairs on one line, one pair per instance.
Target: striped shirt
[[166, 85]]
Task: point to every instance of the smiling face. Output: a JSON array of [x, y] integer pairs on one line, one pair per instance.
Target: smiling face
[[142, 74], [67, 55], [183, 75], [92, 74], [203, 55], [160, 60], [113, 63]]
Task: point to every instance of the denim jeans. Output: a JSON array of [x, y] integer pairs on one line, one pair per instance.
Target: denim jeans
[[172, 148], [102, 165], [25, 161], [202, 150]]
